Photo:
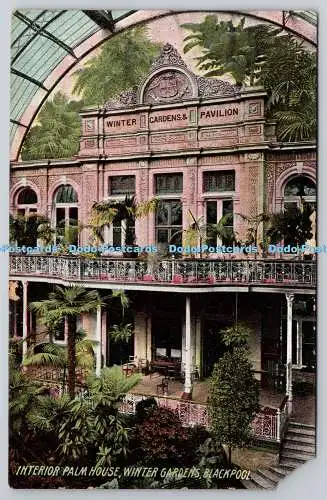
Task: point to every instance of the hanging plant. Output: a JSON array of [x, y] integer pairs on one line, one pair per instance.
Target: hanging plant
[[121, 333]]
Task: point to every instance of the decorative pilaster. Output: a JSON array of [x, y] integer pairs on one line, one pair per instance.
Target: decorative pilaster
[[188, 383], [25, 317], [289, 387], [98, 340]]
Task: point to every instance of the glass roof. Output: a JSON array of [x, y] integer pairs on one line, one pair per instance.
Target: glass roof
[[41, 39]]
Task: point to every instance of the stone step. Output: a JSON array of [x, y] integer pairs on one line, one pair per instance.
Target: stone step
[[264, 482], [299, 446], [296, 456], [301, 431], [281, 470], [304, 426], [289, 464], [251, 485], [296, 438], [270, 475]]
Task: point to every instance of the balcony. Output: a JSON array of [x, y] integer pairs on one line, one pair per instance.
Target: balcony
[[181, 273]]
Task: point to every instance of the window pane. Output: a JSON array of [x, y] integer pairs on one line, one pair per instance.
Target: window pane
[[176, 236], [122, 184], [169, 183], [162, 235], [73, 214], [211, 212], [300, 186], [309, 344], [228, 209], [219, 181], [60, 215], [162, 213], [27, 197], [116, 236], [66, 194], [176, 213]]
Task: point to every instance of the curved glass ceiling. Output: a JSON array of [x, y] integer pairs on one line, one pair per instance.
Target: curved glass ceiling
[[41, 39]]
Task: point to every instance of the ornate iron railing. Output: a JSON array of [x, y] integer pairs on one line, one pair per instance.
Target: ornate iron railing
[[265, 426], [182, 272]]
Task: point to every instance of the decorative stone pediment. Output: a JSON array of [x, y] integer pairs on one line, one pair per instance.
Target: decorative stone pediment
[[167, 86], [170, 80]]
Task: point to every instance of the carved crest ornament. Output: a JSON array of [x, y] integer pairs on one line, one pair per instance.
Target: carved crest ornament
[[173, 83]]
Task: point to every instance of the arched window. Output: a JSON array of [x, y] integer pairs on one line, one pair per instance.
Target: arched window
[[66, 215], [26, 201], [299, 190]]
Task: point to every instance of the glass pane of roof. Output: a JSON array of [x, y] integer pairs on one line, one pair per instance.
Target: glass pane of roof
[[21, 92], [72, 27], [308, 15], [13, 128], [116, 14], [43, 55]]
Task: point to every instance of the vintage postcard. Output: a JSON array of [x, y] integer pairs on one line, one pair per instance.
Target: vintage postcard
[[162, 312]]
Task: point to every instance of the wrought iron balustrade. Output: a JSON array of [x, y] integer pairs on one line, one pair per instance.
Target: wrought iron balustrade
[[183, 272], [265, 426]]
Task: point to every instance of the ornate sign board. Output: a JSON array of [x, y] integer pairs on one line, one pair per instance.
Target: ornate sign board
[[172, 100]]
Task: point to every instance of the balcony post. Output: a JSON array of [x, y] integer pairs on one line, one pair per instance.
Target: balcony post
[[25, 317], [188, 383], [289, 298], [98, 353]]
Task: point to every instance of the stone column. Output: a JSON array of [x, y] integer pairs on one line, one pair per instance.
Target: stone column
[[104, 337], [98, 340], [289, 298], [188, 383], [25, 317]]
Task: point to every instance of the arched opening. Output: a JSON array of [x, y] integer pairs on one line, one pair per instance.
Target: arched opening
[[65, 215], [300, 190], [26, 202]]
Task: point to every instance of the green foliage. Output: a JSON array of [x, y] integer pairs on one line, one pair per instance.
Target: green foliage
[[26, 230], [236, 335], [234, 398], [106, 393], [76, 433], [121, 333], [267, 56], [223, 230], [106, 213], [68, 302], [56, 134], [234, 391], [122, 63], [291, 225]]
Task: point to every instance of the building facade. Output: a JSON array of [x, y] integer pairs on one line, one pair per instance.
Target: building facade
[[204, 149]]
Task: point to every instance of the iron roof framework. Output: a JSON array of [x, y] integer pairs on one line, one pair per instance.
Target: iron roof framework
[[42, 40]]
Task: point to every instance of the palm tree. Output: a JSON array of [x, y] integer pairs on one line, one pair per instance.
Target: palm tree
[[121, 64], [267, 56], [69, 303], [27, 229], [291, 225], [254, 222], [106, 213], [237, 51], [57, 132], [55, 356]]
